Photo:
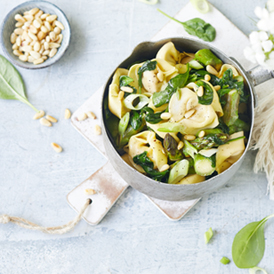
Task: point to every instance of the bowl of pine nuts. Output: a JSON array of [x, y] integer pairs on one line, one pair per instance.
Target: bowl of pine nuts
[[35, 34]]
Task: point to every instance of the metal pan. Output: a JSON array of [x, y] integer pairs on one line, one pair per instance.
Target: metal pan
[[173, 192]]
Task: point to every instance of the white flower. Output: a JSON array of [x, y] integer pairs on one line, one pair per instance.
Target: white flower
[[267, 45], [249, 54], [270, 5]]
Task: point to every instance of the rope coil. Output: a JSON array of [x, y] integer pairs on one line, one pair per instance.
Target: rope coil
[[4, 219]]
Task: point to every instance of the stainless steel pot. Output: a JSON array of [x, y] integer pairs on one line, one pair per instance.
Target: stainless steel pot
[[171, 192]]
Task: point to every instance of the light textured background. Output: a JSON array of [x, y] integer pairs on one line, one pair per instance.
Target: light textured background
[[134, 237]]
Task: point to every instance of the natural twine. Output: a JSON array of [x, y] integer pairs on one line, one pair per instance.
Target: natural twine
[[4, 219]]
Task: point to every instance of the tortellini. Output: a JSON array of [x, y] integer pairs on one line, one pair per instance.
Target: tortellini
[[230, 153], [115, 103], [146, 141]]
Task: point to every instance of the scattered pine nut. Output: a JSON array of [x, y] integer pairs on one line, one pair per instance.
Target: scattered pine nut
[[38, 61], [90, 191], [164, 168], [90, 114], [189, 137], [51, 119], [121, 95], [218, 87], [200, 91], [45, 122], [211, 70], [201, 134], [39, 114], [207, 77], [97, 130], [56, 147], [127, 89], [189, 113], [180, 145], [165, 115], [81, 117], [67, 113]]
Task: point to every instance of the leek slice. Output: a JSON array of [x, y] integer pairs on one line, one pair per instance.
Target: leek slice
[[254, 270], [149, 2], [200, 5], [129, 101]]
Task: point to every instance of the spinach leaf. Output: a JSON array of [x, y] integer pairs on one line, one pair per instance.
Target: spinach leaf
[[150, 116], [207, 97], [196, 27], [249, 244], [223, 126], [125, 80], [148, 65], [200, 75], [163, 97], [136, 120], [11, 84], [148, 167]]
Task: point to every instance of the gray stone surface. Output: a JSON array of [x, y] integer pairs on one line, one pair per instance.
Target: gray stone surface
[[134, 237]]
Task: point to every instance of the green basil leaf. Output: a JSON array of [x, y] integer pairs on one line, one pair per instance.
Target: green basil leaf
[[11, 83], [150, 116], [148, 65]]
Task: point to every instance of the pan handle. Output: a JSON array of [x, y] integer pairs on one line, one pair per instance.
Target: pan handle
[[259, 75]]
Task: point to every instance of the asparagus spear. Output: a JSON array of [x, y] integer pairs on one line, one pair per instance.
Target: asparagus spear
[[231, 107], [239, 125], [207, 57], [170, 146], [210, 140]]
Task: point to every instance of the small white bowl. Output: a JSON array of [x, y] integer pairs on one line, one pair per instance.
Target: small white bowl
[[8, 27]]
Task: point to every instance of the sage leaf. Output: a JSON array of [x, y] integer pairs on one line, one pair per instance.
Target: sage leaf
[[249, 244], [11, 83]]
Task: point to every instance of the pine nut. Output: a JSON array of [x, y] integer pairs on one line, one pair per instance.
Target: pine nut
[[211, 70], [13, 38], [56, 147], [127, 89], [44, 57], [35, 55], [17, 52], [51, 119], [42, 49], [39, 21], [32, 43], [165, 115], [54, 45], [164, 168], [201, 134], [37, 46], [32, 36], [28, 17], [59, 25], [36, 23], [41, 35], [44, 16], [46, 45], [30, 59], [52, 52], [38, 61], [19, 18], [121, 95], [27, 54], [81, 117], [47, 25], [27, 25], [15, 46], [180, 145], [38, 14], [60, 38], [47, 39], [90, 191], [52, 35], [207, 77], [51, 18], [33, 29], [18, 31], [57, 30], [200, 91], [44, 29], [45, 122], [189, 113], [189, 137], [39, 115], [46, 52], [90, 114], [218, 87], [18, 41], [23, 58], [33, 11], [53, 24], [19, 24], [67, 113], [97, 130]]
